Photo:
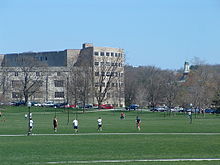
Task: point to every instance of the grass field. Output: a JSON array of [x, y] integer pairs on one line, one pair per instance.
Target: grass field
[[90, 146]]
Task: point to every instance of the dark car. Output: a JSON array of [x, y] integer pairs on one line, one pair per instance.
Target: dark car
[[19, 103], [210, 110], [60, 105], [132, 107]]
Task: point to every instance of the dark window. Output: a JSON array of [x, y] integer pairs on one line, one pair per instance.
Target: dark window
[[112, 54], [16, 73], [96, 53], [58, 83], [103, 73], [107, 53], [116, 54], [37, 73], [96, 63], [58, 74], [102, 53], [59, 94], [16, 83], [16, 95], [96, 73]]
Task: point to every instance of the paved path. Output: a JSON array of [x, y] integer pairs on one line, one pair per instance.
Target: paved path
[[123, 161], [92, 134]]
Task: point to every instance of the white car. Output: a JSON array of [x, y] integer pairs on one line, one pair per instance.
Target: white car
[[38, 105], [48, 104]]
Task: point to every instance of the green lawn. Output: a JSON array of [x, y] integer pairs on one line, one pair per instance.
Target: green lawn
[[42, 149]]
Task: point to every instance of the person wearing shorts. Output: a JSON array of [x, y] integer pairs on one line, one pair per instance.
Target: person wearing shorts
[[99, 124], [55, 124], [138, 123], [75, 125]]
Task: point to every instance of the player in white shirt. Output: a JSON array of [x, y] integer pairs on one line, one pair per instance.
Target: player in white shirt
[[99, 124], [75, 125], [31, 122]]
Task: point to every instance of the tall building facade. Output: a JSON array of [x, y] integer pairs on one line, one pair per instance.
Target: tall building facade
[[93, 75]]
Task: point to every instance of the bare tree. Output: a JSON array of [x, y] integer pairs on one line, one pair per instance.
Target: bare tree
[[29, 75], [108, 77]]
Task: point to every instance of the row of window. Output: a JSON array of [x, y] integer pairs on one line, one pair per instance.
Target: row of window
[[17, 95], [37, 73], [18, 83], [111, 54], [115, 74], [112, 84], [108, 64]]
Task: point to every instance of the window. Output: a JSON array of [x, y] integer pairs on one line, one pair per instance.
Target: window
[[107, 53], [16, 73], [108, 95], [58, 74], [103, 73], [37, 73], [96, 84], [102, 53], [116, 54], [96, 53], [112, 54], [108, 73], [96, 63], [38, 94], [58, 83], [108, 63], [59, 94], [16, 95], [102, 63], [16, 83], [96, 73]]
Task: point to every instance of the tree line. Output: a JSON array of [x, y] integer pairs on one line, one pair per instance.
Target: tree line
[[151, 86]]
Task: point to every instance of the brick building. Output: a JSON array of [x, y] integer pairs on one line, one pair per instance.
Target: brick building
[[50, 76]]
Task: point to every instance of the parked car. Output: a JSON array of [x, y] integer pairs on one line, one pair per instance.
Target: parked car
[[106, 106], [210, 110], [159, 109], [88, 106], [60, 105], [18, 103], [71, 106], [38, 104], [48, 104], [132, 107]]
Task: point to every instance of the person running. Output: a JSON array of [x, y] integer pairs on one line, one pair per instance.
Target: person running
[[31, 125], [99, 124], [122, 116], [55, 124], [138, 123], [75, 125]]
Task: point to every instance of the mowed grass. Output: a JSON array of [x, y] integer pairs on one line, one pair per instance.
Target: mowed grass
[[66, 149]]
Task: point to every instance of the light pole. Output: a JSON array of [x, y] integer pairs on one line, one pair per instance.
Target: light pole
[[29, 118]]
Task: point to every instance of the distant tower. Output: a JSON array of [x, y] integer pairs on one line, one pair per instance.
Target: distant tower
[[186, 68], [185, 72]]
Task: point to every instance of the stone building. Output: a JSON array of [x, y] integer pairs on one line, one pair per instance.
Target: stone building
[[54, 76]]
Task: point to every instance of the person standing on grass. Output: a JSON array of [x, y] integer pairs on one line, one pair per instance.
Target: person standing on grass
[[99, 124], [55, 124], [31, 125], [75, 125], [138, 123]]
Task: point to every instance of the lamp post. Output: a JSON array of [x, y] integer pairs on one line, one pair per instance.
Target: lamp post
[[29, 118]]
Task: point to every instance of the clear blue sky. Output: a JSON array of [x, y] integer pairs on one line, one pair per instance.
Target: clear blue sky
[[162, 33]]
